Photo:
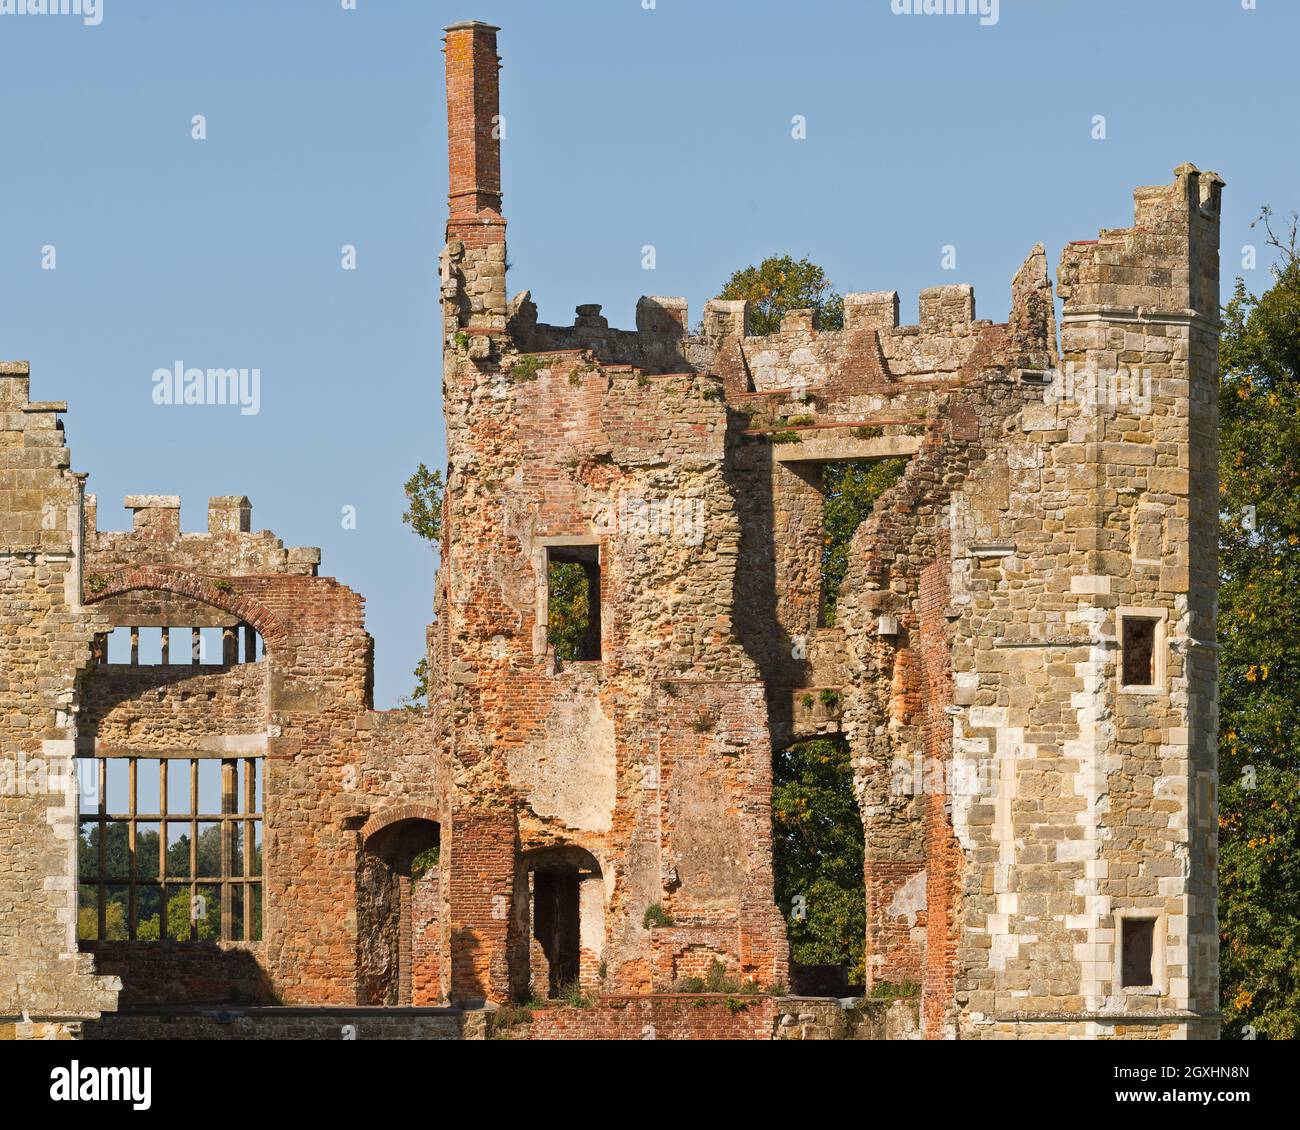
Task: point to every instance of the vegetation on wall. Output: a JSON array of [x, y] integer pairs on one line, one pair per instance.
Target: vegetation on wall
[[425, 498]]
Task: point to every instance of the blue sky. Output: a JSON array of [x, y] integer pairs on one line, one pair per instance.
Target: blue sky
[[625, 127]]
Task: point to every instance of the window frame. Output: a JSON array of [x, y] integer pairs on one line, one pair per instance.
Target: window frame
[[1159, 986], [1159, 650], [238, 815]]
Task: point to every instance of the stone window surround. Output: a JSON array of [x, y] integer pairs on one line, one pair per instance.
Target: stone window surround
[[1160, 675], [1159, 986]]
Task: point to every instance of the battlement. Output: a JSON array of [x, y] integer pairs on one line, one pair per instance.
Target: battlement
[[1167, 262], [228, 548], [661, 341]]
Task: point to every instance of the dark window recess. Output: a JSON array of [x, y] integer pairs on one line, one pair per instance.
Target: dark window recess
[[1138, 946], [573, 602], [1138, 645], [556, 926]]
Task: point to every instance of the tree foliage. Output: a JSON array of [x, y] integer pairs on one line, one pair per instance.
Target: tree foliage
[[781, 283], [569, 609], [117, 865], [424, 500], [817, 851], [1259, 638], [850, 491], [424, 506]]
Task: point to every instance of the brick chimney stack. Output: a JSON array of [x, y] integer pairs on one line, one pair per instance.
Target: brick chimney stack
[[473, 134]]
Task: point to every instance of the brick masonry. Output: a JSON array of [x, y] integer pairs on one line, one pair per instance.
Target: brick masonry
[[1019, 802]]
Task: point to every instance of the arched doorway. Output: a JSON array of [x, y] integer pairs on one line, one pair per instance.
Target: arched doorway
[[399, 921], [560, 897]]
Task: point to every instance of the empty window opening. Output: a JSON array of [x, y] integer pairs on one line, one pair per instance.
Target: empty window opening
[[849, 493], [135, 646], [1137, 954], [170, 848], [399, 936], [573, 602], [1138, 650], [818, 851]]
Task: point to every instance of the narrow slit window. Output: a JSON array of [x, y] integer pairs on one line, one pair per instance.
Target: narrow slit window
[[1137, 941], [573, 602], [1138, 651]]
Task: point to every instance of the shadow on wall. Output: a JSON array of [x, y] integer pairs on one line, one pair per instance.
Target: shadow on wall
[[168, 972]]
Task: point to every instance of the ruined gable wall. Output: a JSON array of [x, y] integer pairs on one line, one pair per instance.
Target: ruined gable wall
[[896, 612], [582, 745], [801, 398], [655, 758], [331, 765], [44, 980]]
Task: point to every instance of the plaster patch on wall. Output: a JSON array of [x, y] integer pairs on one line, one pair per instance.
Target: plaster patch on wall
[[573, 776]]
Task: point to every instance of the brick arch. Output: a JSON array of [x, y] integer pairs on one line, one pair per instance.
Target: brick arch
[[162, 578], [389, 816]]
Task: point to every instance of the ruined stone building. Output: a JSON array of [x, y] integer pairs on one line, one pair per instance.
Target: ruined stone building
[[1022, 663]]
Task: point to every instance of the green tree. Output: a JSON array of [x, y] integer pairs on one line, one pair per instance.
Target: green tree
[[424, 502], [850, 491], [1259, 677], [817, 850], [781, 283], [179, 911], [114, 921], [569, 609], [425, 498], [417, 699]]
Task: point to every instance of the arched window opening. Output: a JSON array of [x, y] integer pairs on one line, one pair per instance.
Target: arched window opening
[[399, 916]]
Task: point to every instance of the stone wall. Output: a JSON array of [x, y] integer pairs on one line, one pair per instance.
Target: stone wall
[[1023, 803], [45, 982], [660, 1017]]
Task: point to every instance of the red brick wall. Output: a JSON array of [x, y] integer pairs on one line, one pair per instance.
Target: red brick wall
[[426, 941], [944, 855], [474, 153], [481, 869]]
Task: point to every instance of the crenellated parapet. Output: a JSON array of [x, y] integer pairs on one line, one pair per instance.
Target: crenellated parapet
[[229, 546]]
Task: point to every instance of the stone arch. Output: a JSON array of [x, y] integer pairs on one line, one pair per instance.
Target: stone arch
[[399, 908], [220, 592], [396, 814]]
